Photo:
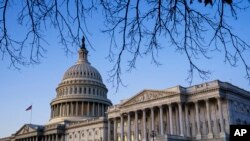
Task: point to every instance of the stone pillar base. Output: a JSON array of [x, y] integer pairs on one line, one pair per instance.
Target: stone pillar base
[[222, 134], [198, 137], [210, 136]]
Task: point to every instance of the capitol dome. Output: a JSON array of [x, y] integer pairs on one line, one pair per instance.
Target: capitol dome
[[81, 94], [82, 71]]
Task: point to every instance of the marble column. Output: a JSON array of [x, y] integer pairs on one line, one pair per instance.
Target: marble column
[[61, 109], [161, 120], [98, 109], [93, 108], [115, 129], [210, 134], [82, 109], [55, 110], [103, 111], [58, 110], [67, 109], [77, 110], [187, 121], [167, 122], [180, 119], [129, 128], [109, 138], [152, 119], [144, 125], [170, 119], [136, 126], [222, 133], [88, 110], [72, 109], [198, 136], [51, 112], [122, 128]]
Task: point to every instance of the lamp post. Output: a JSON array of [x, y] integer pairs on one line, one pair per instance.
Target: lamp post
[[153, 134]]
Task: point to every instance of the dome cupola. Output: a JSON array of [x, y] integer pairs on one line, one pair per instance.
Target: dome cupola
[[81, 94]]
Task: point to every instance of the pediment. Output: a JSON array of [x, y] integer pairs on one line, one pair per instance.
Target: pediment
[[26, 129], [146, 95]]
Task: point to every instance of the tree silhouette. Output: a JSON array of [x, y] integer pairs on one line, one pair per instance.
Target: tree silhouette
[[141, 26]]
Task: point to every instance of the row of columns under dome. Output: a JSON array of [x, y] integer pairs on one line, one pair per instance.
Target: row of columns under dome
[[51, 137], [182, 121], [78, 108], [82, 90]]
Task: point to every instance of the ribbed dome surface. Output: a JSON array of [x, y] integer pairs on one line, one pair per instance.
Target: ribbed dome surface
[[83, 71]]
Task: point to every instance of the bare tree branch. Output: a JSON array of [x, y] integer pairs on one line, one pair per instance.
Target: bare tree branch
[[136, 28]]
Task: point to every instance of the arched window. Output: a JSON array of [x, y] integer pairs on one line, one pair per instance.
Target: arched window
[[94, 91], [89, 90]]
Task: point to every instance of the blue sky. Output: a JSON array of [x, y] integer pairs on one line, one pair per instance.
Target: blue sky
[[36, 84]]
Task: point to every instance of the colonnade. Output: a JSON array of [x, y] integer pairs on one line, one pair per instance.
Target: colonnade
[[182, 117], [51, 137], [33, 138], [78, 108], [81, 90]]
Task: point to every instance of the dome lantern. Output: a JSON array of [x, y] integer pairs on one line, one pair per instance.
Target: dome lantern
[[83, 53]]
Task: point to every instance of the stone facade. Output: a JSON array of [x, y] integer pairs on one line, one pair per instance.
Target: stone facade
[[200, 112]]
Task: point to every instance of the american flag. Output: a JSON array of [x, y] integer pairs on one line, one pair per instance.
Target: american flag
[[29, 108]]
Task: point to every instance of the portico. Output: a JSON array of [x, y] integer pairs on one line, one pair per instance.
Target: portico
[[168, 113]]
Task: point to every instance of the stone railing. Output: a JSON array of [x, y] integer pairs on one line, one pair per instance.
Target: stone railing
[[113, 108]]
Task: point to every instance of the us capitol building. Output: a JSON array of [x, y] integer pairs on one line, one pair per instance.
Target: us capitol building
[[81, 111]]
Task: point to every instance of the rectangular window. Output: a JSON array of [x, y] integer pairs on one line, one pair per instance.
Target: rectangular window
[[80, 90]]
